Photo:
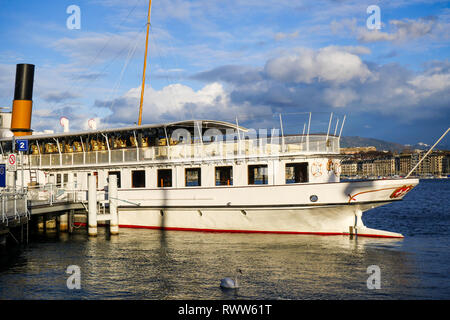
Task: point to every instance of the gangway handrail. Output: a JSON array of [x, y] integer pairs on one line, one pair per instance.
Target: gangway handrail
[[127, 201]]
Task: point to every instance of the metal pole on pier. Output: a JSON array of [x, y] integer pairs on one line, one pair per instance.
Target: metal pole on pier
[[92, 206], [114, 218]]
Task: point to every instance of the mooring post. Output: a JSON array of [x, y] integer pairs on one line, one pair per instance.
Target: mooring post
[[112, 196], [63, 222], [70, 221], [64, 219], [44, 221], [92, 206]]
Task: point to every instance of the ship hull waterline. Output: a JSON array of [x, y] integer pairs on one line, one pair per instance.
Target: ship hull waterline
[[339, 213]]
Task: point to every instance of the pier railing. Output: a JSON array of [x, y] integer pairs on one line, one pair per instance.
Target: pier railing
[[238, 148], [50, 194], [13, 205], [53, 195]]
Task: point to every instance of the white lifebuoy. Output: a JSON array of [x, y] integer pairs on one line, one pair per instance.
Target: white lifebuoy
[[316, 169]]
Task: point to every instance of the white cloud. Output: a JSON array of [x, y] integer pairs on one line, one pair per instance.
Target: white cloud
[[327, 64], [178, 102], [429, 84], [340, 97], [400, 30]]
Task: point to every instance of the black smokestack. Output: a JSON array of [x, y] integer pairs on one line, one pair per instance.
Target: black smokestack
[[24, 82], [23, 100]]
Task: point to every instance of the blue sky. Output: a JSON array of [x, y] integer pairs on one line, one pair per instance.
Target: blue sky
[[222, 59]]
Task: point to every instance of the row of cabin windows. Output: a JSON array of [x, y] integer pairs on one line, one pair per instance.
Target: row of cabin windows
[[257, 174]]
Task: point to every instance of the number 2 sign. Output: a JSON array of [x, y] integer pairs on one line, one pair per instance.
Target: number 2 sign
[[22, 145]]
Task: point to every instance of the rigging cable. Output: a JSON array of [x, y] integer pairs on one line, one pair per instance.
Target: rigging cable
[[74, 83], [130, 55], [169, 82]]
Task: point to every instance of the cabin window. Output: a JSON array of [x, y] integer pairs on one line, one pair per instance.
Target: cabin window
[[138, 179], [257, 174], [164, 178], [297, 172], [58, 180], [117, 174], [193, 177], [224, 176]]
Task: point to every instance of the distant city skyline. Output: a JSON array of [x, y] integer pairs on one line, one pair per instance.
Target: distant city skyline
[[218, 60]]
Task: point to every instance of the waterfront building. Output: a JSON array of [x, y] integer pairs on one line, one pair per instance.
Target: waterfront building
[[349, 168], [356, 150], [384, 167]]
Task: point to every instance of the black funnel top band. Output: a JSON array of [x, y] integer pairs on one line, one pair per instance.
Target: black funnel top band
[[24, 82]]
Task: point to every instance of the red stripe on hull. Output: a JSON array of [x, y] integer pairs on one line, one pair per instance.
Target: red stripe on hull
[[251, 231]]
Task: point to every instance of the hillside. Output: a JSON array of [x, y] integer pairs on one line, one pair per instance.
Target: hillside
[[351, 142]]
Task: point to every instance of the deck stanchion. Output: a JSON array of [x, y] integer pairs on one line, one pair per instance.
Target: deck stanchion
[[92, 206], [112, 190]]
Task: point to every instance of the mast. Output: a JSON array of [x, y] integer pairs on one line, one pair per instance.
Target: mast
[[145, 62]]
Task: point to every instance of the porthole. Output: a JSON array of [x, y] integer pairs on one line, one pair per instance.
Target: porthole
[[313, 198]]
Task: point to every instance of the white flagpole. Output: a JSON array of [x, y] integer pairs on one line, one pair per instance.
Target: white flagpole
[[427, 153]]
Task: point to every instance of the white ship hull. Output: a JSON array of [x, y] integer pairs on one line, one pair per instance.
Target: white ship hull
[[263, 209]]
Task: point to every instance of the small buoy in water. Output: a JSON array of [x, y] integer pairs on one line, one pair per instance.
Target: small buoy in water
[[229, 283]]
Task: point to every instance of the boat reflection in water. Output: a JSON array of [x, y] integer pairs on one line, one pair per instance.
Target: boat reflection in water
[[157, 264]]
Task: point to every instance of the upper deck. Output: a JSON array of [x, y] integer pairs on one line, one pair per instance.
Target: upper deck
[[195, 140]]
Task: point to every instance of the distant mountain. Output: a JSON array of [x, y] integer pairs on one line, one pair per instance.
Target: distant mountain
[[351, 142], [424, 146]]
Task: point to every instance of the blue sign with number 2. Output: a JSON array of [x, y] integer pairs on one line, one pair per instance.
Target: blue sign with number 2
[[22, 145]]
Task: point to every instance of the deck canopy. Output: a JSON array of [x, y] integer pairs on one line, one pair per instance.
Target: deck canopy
[[153, 135], [187, 124]]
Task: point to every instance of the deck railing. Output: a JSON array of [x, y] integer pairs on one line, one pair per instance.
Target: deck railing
[[245, 148]]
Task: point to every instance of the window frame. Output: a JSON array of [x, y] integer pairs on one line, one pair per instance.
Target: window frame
[[133, 185], [158, 178], [229, 181], [199, 179], [294, 165], [250, 173]]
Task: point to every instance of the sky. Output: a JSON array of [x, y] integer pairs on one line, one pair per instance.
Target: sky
[[389, 74]]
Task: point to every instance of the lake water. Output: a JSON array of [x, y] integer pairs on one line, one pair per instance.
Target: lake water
[[153, 264]]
